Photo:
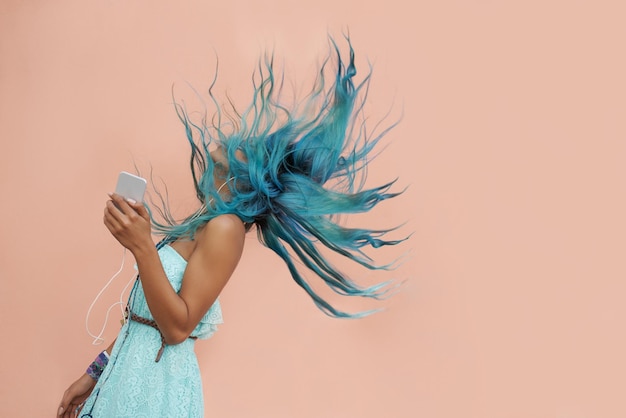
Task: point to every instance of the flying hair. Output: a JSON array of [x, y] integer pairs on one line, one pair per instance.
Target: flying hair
[[304, 164]]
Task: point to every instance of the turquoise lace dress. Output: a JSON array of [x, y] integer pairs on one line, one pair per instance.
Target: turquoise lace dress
[[133, 384]]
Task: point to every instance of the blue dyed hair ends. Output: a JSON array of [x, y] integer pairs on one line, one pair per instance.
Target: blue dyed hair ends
[[291, 170]]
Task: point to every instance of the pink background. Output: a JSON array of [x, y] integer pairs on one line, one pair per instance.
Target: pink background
[[512, 143]]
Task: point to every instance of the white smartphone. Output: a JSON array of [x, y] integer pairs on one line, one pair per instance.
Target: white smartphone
[[131, 186]]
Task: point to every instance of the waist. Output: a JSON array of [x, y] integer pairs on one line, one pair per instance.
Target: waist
[[152, 323]]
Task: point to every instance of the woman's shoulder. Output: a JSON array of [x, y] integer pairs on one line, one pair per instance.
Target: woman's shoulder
[[220, 242], [226, 226], [227, 221]]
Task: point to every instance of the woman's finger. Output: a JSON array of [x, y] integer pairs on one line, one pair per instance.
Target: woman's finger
[[110, 220], [140, 209], [76, 410], [71, 411], [65, 402], [108, 224], [112, 213], [121, 203]]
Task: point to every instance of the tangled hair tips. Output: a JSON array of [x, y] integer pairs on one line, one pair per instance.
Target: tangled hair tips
[[292, 170]]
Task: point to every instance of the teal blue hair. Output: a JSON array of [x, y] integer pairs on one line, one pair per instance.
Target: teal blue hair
[[303, 166]]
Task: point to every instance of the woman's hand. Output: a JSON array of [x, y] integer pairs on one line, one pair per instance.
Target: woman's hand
[[75, 395], [129, 222]]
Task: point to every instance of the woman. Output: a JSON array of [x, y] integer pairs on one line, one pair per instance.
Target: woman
[[287, 172]]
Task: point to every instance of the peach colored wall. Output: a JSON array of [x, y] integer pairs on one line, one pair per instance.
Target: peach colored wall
[[513, 143]]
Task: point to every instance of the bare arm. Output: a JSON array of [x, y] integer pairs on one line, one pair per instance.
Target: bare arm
[[218, 250], [109, 349]]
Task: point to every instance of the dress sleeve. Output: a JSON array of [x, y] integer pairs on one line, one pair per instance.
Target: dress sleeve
[[209, 322]]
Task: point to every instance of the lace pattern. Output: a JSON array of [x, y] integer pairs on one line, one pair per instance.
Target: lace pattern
[[133, 384]]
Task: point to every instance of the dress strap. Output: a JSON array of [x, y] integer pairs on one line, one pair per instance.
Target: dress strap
[[152, 323]]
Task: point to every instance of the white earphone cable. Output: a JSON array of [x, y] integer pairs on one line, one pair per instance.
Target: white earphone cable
[[98, 338]]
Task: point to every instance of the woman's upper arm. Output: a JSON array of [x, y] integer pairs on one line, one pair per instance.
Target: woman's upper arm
[[218, 250]]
